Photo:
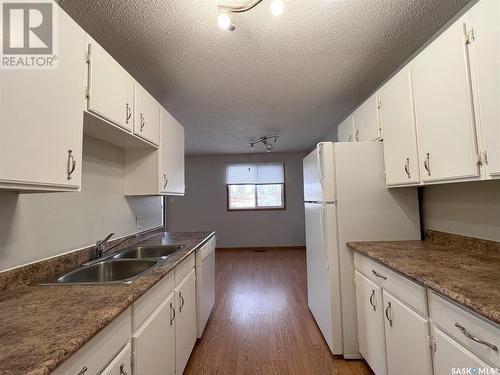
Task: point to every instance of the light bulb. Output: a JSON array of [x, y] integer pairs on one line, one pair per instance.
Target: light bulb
[[277, 7], [224, 21]]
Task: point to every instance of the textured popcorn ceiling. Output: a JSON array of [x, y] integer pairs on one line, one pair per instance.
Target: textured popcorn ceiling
[[296, 75]]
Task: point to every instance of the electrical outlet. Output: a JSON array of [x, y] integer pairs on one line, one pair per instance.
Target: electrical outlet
[[138, 222]]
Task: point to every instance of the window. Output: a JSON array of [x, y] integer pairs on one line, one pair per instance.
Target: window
[[255, 186]]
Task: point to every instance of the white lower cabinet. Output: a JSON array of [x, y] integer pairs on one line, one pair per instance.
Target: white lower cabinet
[[154, 342], [122, 364], [406, 339], [449, 355], [370, 323], [185, 320]]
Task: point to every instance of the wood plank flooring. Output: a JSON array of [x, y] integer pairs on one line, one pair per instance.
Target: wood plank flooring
[[261, 323]]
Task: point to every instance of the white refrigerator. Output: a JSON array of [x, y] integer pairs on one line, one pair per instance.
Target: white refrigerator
[[346, 199]]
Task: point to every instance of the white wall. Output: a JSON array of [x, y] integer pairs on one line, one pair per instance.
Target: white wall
[[204, 206], [470, 209], [37, 226]]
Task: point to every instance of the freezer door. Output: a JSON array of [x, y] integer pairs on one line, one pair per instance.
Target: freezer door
[[322, 279], [318, 170]]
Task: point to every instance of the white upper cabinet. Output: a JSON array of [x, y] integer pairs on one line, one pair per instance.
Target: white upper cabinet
[[110, 88], [172, 155], [366, 121], [443, 108], [483, 28], [147, 116], [345, 131], [41, 118], [400, 138]]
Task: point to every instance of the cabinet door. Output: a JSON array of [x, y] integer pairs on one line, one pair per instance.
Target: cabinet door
[[172, 155], [110, 88], [366, 121], [407, 339], [345, 132], [185, 324], [449, 355], [485, 61], [443, 108], [370, 323], [41, 118], [147, 116], [122, 364], [400, 138], [154, 343]]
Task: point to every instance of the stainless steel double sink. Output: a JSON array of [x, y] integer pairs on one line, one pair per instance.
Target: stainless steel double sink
[[120, 268]]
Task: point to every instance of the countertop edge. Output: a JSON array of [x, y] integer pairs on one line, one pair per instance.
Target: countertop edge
[[51, 364], [469, 304]]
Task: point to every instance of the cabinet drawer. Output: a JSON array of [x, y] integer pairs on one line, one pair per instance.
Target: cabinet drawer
[[183, 269], [447, 314], [149, 301], [122, 363], [412, 293], [100, 350]]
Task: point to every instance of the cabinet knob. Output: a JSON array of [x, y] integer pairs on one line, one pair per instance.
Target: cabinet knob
[[128, 113], [172, 314], [371, 301], [143, 122], [427, 164], [71, 164], [388, 311], [407, 167]]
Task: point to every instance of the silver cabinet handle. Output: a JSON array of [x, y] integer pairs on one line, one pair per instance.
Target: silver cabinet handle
[[388, 308], [350, 138], [371, 301], [379, 275], [143, 122], [165, 181], [407, 167], [427, 164], [83, 370], [474, 338], [182, 302], [122, 371], [128, 114], [172, 314], [71, 164], [357, 136]]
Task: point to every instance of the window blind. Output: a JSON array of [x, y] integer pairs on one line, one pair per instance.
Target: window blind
[[257, 173]]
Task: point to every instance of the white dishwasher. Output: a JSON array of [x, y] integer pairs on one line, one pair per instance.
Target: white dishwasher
[[205, 283]]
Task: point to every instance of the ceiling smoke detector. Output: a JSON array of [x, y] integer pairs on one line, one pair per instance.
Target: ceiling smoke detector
[[268, 141]]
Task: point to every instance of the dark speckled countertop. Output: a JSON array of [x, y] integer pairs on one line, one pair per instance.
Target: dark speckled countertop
[[41, 326], [469, 276]]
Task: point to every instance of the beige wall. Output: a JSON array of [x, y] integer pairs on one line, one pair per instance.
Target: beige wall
[[471, 209], [37, 226], [204, 206]]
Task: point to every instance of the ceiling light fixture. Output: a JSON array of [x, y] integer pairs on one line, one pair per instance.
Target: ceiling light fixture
[[224, 20], [268, 141]]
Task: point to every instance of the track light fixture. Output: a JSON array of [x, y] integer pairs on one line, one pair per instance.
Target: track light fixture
[[268, 141], [224, 18]]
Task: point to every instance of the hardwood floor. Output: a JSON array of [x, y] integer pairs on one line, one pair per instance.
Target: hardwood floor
[[261, 323]]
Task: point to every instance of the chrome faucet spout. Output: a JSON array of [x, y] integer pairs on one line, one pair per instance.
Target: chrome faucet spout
[[101, 245]]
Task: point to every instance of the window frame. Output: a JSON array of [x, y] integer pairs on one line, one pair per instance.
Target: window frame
[[228, 208]]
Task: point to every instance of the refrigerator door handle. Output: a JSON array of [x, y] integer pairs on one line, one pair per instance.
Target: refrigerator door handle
[[320, 172], [323, 237]]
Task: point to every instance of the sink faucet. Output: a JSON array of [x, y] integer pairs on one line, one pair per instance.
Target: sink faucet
[[101, 245]]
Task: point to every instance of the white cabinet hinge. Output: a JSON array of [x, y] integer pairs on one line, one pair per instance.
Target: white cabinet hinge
[[469, 36], [86, 92], [482, 158], [432, 344]]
